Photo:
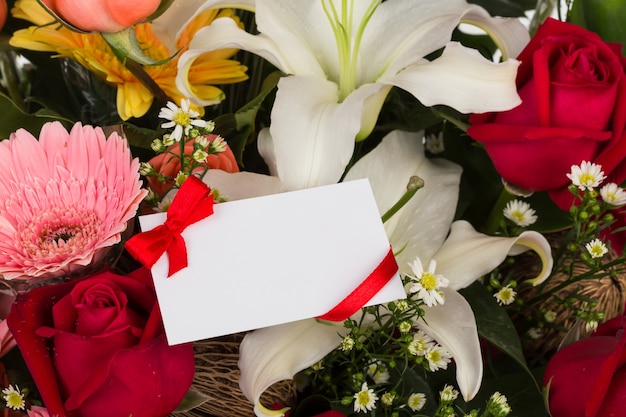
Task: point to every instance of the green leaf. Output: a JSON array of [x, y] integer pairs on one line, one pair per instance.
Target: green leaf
[[126, 47], [246, 115], [163, 6], [604, 17], [13, 118], [192, 400], [495, 325]]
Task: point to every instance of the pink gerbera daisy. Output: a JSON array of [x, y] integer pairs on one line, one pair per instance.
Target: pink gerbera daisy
[[64, 199]]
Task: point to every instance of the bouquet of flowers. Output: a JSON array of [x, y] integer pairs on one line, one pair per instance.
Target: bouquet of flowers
[[492, 137]]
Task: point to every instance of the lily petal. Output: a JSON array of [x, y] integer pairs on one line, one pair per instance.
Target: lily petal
[[173, 21], [467, 255], [224, 33], [240, 185], [510, 35], [421, 226], [421, 28], [453, 325], [276, 353], [312, 135], [458, 78]]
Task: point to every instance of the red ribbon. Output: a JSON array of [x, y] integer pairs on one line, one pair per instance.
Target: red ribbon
[[192, 203], [375, 282]]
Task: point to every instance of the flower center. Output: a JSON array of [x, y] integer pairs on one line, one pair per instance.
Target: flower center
[[587, 179], [363, 397], [60, 232], [428, 281], [348, 41], [181, 118]]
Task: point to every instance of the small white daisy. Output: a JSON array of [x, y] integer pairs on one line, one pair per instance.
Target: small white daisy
[[549, 316], [534, 333], [586, 176], [438, 358], [388, 398], [199, 155], [158, 146], [520, 213], [421, 344], [182, 119], [505, 296], [146, 169], [448, 393], [613, 194], [318, 366], [180, 178], [591, 326], [426, 284], [202, 142], [218, 145], [347, 344], [434, 143], [596, 248], [416, 401], [364, 400], [498, 405], [13, 397], [405, 327], [378, 372]]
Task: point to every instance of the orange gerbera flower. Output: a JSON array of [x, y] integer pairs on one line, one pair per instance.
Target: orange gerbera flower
[[133, 97]]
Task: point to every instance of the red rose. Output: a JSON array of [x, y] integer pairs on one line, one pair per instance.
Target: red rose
[[96, 347], [588, 377], [168, 165], [573, 109]]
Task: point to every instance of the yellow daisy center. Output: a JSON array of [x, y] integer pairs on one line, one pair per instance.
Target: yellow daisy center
[[587, 178], [363, 397], [428, 281], [14, 400], [182, 118]]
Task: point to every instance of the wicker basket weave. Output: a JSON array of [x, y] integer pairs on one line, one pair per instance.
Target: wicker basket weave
[[217, 376]]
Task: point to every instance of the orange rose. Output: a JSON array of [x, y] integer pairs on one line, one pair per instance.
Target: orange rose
[[102, 15], [168, 165]]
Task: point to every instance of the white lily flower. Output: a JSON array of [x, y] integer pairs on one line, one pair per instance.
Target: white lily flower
[[421, 229], [343, 57]]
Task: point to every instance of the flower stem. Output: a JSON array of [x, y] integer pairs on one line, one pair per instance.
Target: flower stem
[[415, 183]]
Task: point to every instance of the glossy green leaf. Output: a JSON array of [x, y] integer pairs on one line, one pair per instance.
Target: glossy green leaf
[[13, 118], [494, 324], [246, 115]]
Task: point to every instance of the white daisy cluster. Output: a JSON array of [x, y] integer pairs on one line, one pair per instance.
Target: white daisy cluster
[[437, 356], [588, 176]]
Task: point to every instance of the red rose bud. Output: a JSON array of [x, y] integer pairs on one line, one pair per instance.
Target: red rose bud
[[573, 109], [588, 378], [95, 348]]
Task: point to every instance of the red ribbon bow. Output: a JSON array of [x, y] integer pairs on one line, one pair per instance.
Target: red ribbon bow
[[192, 203]]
